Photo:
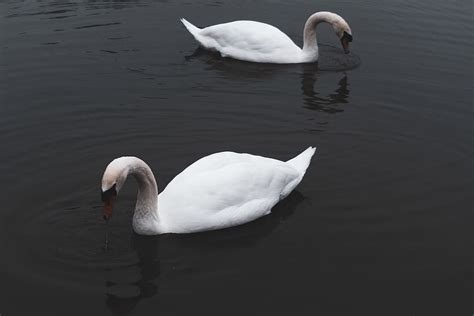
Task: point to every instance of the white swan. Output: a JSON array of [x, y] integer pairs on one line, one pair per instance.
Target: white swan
[[263, 43], [220, 190]]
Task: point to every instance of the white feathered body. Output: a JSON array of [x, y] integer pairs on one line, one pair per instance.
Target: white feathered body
[[227, 189], [250, 41]]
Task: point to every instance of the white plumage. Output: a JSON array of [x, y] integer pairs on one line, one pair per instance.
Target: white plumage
[[218, 191], [248, 41], [263, 43]]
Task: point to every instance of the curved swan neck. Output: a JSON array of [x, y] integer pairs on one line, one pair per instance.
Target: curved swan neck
[[310, 42], [145, 217]]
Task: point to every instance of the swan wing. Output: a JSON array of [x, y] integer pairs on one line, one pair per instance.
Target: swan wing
[[249, 41], [223, 190]]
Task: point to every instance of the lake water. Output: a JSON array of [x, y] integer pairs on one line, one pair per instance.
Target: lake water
[[380, 225]]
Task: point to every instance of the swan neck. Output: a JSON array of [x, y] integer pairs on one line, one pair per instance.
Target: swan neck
[[310, 41], [145, 217]]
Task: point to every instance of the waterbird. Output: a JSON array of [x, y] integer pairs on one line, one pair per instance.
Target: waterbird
[[221, 190], [263, 43]]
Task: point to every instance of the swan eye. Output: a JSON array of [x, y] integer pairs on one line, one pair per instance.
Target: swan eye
[[347, 36], [106, 195]]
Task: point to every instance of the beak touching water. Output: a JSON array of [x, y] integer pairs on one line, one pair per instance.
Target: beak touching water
[[108, 197], [108, 208], [345, 40], [345, 45]]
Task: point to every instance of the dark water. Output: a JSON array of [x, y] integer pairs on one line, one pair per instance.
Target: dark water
[[381, 224]]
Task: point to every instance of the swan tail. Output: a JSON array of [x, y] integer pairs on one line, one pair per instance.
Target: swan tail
[[302, 161], [194, 30]]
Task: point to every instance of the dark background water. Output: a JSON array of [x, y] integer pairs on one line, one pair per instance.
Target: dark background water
[[381, 224]]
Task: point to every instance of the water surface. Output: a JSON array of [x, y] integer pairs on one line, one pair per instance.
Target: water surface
[[381, 224]]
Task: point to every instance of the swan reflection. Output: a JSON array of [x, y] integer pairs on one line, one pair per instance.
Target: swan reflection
[[122, 297], [333, 62], [314, 100], [174, 256]]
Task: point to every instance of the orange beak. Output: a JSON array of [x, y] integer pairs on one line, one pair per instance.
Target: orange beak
[[108, 197], [108, 207]]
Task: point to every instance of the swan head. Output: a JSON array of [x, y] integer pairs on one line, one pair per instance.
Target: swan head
[[112, 181], [344, 32], [339, 25]]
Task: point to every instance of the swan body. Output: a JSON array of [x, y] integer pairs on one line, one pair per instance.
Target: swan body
[[263, 43], [220, 190]]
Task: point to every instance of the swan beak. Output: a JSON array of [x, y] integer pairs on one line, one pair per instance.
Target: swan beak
[[108, 197], [345, 40], [345, 45], [108, 207]]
